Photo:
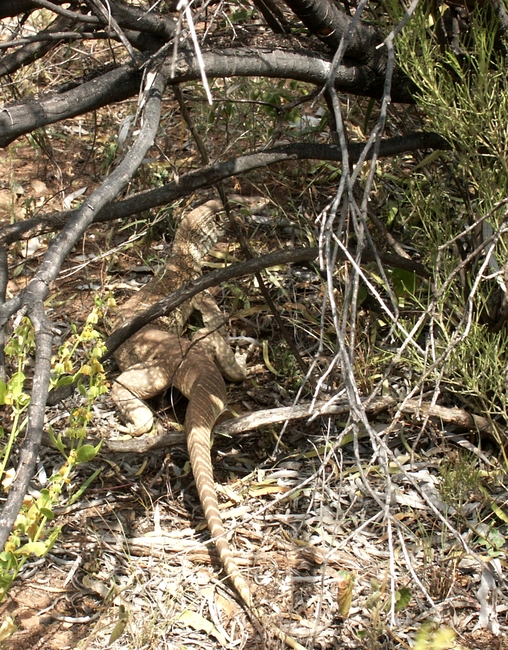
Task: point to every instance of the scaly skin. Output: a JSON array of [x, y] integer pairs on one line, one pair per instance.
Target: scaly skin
[[207, 399], [156, 358], [144, 377]]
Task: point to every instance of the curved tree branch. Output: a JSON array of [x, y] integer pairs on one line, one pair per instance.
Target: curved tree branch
[[33, 295], [123, 82], [324, 19], [144, 30], [216, 172], [113, 86], [363, 43]]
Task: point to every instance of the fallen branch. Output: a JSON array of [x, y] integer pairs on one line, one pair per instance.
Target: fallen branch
[[253, 421], [453, 415]]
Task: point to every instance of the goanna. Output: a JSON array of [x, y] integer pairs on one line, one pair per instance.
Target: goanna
[[157, 357]]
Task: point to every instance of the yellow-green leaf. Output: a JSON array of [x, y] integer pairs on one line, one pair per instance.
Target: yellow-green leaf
[[267, 361], [86, 453], [402, 598], [198, 622], [37, 548], [119, 628], [7, 628], [344, 592]]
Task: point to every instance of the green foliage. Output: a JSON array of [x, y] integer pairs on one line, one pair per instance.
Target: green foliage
[[35, 532], [477, 369], [450, 207], [12, 393], [378, 604], [430, 637], [247, 113], [280, 361], [460, 479], [463, 482], [465, 100]]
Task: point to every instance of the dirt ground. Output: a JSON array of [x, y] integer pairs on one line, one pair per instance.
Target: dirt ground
[[136, 542]]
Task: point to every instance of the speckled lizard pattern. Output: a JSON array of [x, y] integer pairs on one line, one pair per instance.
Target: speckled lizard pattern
[[156, 358]]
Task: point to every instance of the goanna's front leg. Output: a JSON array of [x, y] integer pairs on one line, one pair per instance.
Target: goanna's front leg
[[129, 391], [212, 339], [162, 353]]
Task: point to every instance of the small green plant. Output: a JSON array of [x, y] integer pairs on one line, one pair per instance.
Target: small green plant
[[379, 604], [12, 392], [92, 344], [460, 479], [430, 637], [464, 482], [281, 362], [35, 531]]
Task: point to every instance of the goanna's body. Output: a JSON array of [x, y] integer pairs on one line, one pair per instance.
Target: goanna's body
[[157, 358]]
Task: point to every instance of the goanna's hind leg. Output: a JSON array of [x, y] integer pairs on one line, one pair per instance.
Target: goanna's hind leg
[[138, 383], [159, 355], [212, 339]]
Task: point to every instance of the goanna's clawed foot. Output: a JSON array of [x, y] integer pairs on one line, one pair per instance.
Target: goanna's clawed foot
[[137, 416], [135, 432]]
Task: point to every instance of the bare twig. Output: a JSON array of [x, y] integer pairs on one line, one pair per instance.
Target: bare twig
[[106, 15], [32, 297]]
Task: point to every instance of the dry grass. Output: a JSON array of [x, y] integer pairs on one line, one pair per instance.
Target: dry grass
[[302, 502]]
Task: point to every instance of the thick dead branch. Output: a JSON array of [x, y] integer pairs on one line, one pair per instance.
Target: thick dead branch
[[363, 43], [501, 14], [235, 426], [454, 415], [31, 298], [147, 31], [212, 174], [252, 421], [113, 86], [139, 20], [122, 83], [324, 19], [299, 412], [63, 11], [17, 7], [286, 64]]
